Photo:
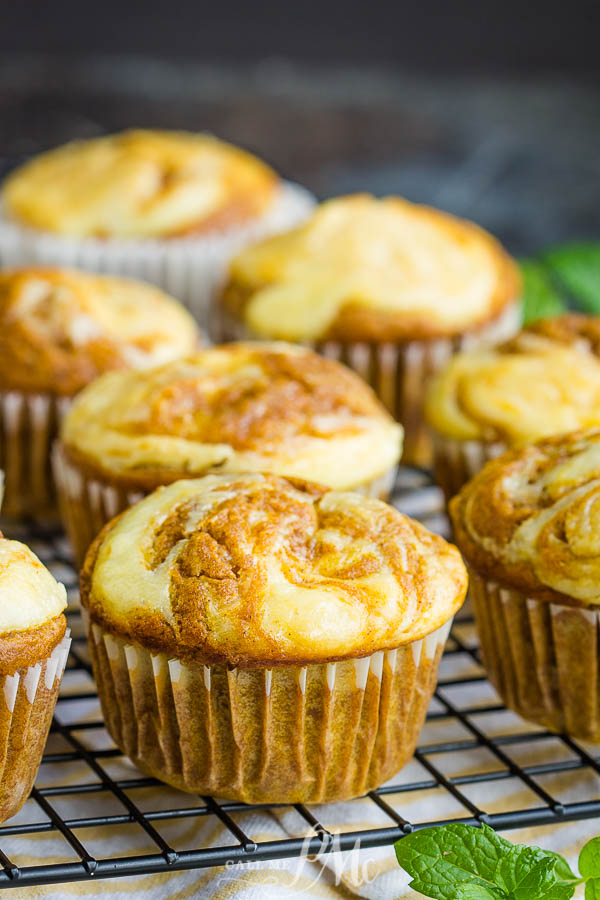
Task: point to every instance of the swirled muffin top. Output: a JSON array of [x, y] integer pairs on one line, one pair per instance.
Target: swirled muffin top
[[545, 381], [60, 328], [531, 519], [31, 607], [140, 184], [369, 269], [234, 408], [253, 570]]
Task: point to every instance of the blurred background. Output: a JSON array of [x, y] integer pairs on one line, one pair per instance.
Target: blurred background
[[487, 109]]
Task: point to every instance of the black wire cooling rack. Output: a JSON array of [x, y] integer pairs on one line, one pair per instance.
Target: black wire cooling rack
[[509, 774]]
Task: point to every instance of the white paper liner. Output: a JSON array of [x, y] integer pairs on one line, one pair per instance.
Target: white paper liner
[[27, 701], [398, 372], [189, 268], [87, 504], [28, 427], [312, 733], [542, 658], [455, 462]]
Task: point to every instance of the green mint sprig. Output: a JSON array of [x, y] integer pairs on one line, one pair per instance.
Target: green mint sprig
[[562, 277], [465, 862]]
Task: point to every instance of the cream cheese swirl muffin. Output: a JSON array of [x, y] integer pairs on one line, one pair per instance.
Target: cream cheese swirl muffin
[[59, 329], [528, 525], [236, 408], [33, 652], [306, 616], [169, 207], [545, 381], [407, 282]]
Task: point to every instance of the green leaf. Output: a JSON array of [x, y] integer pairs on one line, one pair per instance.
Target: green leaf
[[463, 862], [577, 266], [592, 889], [540, 297], [589, 859], [443, 859]]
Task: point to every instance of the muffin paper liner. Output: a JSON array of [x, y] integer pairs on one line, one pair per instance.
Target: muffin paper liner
[[398, 372], [189, 268], [87, 504], [455, 462], [27, 701], [542, 658], [28, 427], [315, 733]]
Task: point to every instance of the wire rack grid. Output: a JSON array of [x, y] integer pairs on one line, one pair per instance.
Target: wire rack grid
[[476, 762]]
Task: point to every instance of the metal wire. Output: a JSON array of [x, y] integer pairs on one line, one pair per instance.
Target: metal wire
[[453, 706]]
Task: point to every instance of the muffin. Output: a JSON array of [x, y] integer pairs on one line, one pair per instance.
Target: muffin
[[236, 408], [59, 329], [167, 207], [390, 288], [265, 640], [528, 525], [34, 646], [545, 381]]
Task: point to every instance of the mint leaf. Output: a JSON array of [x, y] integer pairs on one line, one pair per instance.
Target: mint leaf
[[441, 860], [540, 297], [589, 859], [577, 266], [526, 873], [592, 889], [463, 862]]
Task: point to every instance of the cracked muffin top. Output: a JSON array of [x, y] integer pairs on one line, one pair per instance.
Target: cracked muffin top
[[61, 328], [234, 408], [531, 519], [140, 184], [255, 570], [31, 608], [363, 268], [544, 381]]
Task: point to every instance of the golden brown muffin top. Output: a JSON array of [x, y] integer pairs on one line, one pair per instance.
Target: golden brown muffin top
[[545, 381], [60, 328], [140, 184], [31, 605], [531, 519], [235, 408], [369, 269], [256, 570]]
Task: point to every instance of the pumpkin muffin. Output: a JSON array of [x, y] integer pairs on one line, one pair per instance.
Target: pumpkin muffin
[[236, 408], [529, 527], [545, 381], [33, 652], [59, 329], [167, 207], [240, 624], [388, 287]]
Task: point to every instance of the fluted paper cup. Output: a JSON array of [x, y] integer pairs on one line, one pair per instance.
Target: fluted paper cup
[[189, 268], [28, 427], [315, 733], [87, 503], [27, 701], [398, 372], [455, 462], [542, 658]]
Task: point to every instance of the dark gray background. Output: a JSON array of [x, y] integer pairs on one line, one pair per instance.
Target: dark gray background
[[489, 110]]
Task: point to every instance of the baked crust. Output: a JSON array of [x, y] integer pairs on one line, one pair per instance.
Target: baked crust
[[19, 649], [239, 407], [254, 571], [140, 184], [61, 328], [544, 381], [361, 270], [531, 519]]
